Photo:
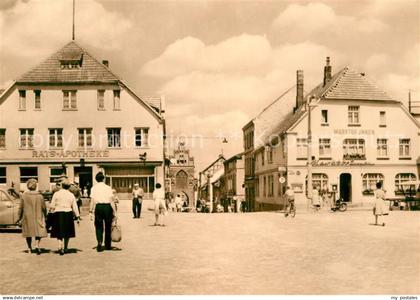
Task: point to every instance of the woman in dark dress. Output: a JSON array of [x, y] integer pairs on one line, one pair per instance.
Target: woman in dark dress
[[64, 207]]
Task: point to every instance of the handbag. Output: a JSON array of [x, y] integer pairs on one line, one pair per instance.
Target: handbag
[[116, 233]]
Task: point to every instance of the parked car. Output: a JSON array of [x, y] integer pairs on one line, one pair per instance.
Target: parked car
[[9, 207]]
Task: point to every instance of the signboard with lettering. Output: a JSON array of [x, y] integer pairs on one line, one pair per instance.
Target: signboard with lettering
[[340, 163], [351, 131], [70, 154]]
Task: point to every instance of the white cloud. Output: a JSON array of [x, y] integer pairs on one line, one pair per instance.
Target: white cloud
[[303, 21], [34, 31]]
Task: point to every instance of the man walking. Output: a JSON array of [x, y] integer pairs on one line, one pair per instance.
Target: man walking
[[103, 208], [137, 200]]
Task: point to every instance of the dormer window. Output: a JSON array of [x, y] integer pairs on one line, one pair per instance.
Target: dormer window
[[71, 60], [70, 65]]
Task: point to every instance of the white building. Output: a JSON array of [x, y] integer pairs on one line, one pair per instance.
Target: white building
[[359, 136], [72, 113]]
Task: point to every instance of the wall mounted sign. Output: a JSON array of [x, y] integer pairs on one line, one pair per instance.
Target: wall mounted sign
[[339, 163], [70, 154], [354, 131]]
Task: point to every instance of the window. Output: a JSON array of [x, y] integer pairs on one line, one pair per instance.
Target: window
[[27, 173], [69, 100], [319, 180], [270, 155], [85, 137], [56, 138], [55, 174], [114, 137], [26, 138], [262, 158], [382, 148], [403, 177], [257, 187], [404, 147], [369, 181], [353, 114], [3, 175], [142, 137], [270, 186], [354, 149], [302, 148], [117, 100], [101, 100], [2, 138], [324, 147], [265, 187], [22, 100], [382, 119], [283, 147], [37, 104], [324, 116]]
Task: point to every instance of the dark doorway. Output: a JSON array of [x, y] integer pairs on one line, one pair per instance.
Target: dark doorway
[[345, 187], [85, 178]]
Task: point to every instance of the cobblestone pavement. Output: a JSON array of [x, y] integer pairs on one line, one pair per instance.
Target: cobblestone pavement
[[256, 253]]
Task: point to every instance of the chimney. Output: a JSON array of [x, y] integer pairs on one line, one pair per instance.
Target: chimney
[[327, 71], [299, 89], [105, 63]]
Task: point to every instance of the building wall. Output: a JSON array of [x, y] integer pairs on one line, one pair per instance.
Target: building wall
[[398, 125], [132, 114]]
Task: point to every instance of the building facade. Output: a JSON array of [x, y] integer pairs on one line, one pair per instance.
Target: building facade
[[72, 114], [181, 174], [234, 175], [211, 182], [359, 136]]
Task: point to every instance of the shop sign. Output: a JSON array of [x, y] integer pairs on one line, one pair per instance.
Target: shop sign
[[354, 131], [70, 154], [340, 163]]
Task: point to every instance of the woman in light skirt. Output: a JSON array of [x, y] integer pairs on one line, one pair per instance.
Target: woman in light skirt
[[160, 204], [379, 207]]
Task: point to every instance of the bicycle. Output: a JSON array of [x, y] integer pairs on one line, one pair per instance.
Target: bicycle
[[290, 210]]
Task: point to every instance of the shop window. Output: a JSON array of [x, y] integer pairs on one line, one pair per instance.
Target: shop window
[[302, 148], [382, 148], [353, 115], [117, 100], [37, 105], [56, 138], [101, 99], [354, 149], [141, 137], [319, 180], [55, 174], [401, 188], [265, 187], [85, 137], [69, 100], [22, 100], [114, 137], [2, 138], [27, 173], [3, 179], [324, 148], [404, 148], [369, 181], [26, 138]]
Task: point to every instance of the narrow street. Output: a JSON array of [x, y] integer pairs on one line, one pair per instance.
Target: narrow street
[[255, 253]]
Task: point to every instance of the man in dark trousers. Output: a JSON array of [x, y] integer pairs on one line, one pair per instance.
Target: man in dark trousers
[[138, 194], [103, 208]]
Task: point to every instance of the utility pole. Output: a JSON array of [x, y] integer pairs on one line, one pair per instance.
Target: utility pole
[[309, 158]]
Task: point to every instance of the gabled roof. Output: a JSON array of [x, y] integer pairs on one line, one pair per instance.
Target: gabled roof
[[50, 70], [348, 84]]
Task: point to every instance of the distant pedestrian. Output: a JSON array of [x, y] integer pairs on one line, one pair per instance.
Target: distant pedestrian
[[379, 207], [75, 190], [290, 199], [115, 198], [64, 207], [178, 202], [32, 213], [138, 194], [160, 207], [103, 208], [315, 199]]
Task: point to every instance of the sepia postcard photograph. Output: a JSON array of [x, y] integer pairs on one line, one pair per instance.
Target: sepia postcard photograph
[[210, 148]]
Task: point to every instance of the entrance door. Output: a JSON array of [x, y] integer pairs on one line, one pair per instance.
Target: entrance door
[[345, 187], [85, 177]]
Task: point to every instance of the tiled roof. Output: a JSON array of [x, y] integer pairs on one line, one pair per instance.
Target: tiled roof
[[153, 101], [50, 71], [349, 84]]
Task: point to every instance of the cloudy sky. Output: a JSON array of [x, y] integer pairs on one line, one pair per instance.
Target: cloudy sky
[[219, 62]]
